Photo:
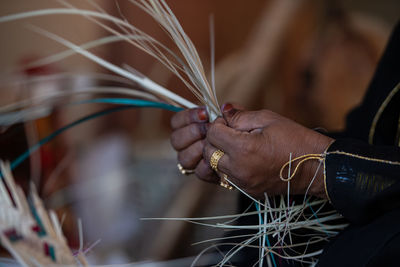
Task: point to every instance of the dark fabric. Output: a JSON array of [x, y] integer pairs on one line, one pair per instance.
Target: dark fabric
[[372, 244], [363, 180], [359, 184], [386, 77]]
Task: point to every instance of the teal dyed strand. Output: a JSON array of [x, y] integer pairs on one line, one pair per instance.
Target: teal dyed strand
[[266, 237], [50, 137], [42, 231], [133, 102], [316, 217], [128, 103], [52, 253]]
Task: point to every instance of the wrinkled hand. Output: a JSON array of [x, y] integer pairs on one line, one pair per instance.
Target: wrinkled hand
[[188, 139], [257, 144]]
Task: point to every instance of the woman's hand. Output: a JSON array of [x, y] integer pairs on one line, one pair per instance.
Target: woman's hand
[[257, 144], [188, 139]]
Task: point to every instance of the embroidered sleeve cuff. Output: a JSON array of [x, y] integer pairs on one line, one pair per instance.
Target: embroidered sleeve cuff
[[362, 181]]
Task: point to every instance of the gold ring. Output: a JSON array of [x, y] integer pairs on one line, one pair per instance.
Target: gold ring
[[184, 171], [215, 157], [224, 183]]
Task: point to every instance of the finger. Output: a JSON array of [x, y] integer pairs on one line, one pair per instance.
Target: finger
[[205, 173], [247, 120], [225, 138], [189, 116], [220, 120], [191, 156], [188, 135], [223, 163]]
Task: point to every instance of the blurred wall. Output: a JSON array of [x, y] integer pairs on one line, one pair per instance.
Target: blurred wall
[[19, 43]]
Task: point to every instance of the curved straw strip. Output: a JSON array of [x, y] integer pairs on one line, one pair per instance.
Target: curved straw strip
[[149, 46], [161, 12], [297, 207], [34, 108], [195, 72], [46, 99], [15, 81], [62, 11], [38, 110], [89, 45], [142, 81]]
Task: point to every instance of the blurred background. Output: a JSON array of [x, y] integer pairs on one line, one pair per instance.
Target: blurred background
[[308, 60]]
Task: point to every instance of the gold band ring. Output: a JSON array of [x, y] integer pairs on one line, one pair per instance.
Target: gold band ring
[[215, 157], [184, 171], [224, 183]]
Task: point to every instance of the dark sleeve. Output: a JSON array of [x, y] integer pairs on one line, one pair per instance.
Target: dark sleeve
[[363, 181]]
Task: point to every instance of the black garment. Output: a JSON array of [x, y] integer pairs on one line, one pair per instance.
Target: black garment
[[363, 173]]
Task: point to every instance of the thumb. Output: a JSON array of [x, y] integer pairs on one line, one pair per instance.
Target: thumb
[[231, 114], [242, 120]]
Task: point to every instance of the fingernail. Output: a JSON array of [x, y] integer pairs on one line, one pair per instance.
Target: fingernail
[[227, 107], [228, 110], [202, 113]]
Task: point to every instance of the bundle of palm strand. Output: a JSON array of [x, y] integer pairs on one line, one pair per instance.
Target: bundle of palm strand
[[31, 234], [276, 220], [280, 229]]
